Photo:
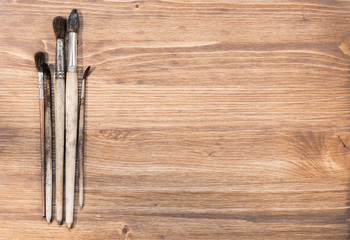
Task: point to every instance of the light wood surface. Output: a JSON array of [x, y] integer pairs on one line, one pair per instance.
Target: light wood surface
[[204, 119]]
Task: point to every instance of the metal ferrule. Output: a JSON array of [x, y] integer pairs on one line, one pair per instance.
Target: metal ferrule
[[72, 52], [59, 71], [41, 84]]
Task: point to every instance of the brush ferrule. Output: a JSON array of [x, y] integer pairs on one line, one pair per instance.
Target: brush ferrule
[[59, 71], [72, 52], [41, 79], [41, 84]]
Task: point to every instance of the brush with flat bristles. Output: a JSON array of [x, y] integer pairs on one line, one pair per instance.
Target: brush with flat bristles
[[71, 114], [60, 29], [48, 142], [81, 138], [39, 58]]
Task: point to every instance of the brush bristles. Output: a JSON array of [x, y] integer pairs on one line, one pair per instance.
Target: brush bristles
[[47, 71], [47, 74], [73, 21], [39, 58], [59, 27], [86, 73]]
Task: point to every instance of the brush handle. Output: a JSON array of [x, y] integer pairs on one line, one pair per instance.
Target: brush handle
[[42, 148], [48, 151], [81, 144], [60, 89], [71, 142]]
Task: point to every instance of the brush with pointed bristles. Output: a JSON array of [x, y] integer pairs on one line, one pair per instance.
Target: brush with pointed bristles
[[73, 21], [60, 30], [48, 143], [71, 114], [39, 58], [81, 138]]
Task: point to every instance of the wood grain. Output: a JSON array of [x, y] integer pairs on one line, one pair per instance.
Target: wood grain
[[204, 119]]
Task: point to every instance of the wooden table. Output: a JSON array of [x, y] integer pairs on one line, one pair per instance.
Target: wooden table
[[205, 119]]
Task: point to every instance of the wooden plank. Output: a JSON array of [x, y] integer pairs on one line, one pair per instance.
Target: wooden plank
[[204, 120]]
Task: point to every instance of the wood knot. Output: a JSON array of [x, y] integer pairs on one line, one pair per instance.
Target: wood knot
[[318, 154], [125, 229], [344, 47]]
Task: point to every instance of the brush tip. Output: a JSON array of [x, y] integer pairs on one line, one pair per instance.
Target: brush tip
[[69, 224], [73, 21], [39, 58], [59, 26], [46, 70], [86, 72]]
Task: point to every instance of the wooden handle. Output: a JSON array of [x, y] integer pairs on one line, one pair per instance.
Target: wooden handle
[[71, 142], [60, 89], [42, 149], [48, 151], [81, 144]]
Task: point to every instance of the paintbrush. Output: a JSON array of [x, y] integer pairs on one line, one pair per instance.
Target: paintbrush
[[48, 142], [39, 61], [81, 139], [71, 114], [60, 28]]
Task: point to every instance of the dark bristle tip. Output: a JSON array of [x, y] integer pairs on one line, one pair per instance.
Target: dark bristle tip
[[46, 70], [86, 73], [39, 58], [59, 26], [73, 21]]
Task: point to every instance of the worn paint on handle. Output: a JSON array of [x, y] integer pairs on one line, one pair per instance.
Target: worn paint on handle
[[71, 142], [60, 90]]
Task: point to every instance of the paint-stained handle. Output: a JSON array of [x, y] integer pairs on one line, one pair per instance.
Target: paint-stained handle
[[60, 89], [81, 144], [71, 142], [48, 151], [42, 149]]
